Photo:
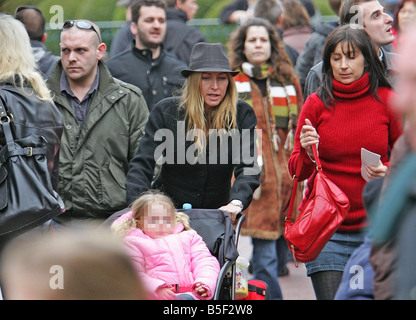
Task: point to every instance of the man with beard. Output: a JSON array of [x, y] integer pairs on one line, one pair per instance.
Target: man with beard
[[147, 64]]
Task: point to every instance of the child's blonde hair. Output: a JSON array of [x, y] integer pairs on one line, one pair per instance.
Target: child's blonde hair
[[139, 207]]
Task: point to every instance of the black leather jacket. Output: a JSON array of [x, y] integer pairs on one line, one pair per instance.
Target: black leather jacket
[[34, 116]]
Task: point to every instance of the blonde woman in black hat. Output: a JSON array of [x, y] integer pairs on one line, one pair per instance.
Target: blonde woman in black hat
[[202, 139]]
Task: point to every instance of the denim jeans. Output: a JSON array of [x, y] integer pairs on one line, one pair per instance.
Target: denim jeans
[[184, 296], [265, 265], [337, 251], [357, 279], [283, 253]]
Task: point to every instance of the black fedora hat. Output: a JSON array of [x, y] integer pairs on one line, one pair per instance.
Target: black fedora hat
[[208, 57]]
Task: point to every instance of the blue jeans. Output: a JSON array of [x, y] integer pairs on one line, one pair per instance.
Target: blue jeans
[[184, 296], [337, 251], [265, 265], [358, 270]]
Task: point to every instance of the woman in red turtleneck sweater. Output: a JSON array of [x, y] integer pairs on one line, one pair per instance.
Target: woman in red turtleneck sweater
[[348, 112]]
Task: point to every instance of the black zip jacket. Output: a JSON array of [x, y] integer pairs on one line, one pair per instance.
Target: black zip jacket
[[157, 79]]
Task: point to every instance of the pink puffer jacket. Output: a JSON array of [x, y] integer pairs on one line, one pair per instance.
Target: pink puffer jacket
[[180, 258]]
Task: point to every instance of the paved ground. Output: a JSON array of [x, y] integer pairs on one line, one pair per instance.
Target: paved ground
[[295, 286]]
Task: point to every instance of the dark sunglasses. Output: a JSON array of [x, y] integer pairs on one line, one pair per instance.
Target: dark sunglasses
[[81, 24]]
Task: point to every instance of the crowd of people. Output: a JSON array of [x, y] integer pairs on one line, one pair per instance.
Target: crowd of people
[[171, 119]]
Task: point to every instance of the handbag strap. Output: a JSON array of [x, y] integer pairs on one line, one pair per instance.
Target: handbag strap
[[5, 119], [299, 164], [317, 161]]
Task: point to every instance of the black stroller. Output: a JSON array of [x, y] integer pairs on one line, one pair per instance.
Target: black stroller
[[214, 226], [221, 237]]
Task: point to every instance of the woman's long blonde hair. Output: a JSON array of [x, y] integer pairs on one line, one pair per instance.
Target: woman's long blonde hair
[[16, 58], [224, 116], [139, 207]]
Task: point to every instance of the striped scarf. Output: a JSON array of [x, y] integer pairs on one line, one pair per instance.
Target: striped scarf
[[282, 96]]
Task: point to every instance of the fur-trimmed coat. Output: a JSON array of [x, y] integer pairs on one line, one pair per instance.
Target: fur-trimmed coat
[[265, 215]]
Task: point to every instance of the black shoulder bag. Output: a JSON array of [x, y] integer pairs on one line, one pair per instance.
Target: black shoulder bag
[[27, 198]]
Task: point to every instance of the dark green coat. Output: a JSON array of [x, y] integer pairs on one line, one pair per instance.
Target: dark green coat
[[93, 162]]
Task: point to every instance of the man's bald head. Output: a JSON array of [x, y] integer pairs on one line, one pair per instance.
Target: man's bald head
[[34, 22]]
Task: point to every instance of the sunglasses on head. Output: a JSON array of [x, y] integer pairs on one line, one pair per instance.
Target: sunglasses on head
[[81, 24]]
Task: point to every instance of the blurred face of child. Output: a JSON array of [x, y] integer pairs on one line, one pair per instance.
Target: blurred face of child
[[158, 221]]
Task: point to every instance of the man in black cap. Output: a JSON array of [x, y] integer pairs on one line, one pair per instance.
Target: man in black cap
[[147, 65]]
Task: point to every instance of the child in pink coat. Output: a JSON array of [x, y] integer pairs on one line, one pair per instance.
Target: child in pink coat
[[169, 256]]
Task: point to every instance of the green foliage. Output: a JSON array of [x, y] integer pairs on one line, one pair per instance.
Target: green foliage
[[96, 10], [215, 10], [106, 10], [203, 7], [323, 7], [210, 8], [101, 10]]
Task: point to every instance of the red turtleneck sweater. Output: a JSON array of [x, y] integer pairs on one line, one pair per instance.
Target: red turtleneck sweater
[[356, 120]]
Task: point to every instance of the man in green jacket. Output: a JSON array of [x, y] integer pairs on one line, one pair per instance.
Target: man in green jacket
[[104, 121]]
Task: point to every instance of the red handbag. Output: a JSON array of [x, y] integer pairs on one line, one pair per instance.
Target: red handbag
[[320, 215]]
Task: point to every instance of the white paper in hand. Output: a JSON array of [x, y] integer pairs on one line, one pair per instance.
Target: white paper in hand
[[368, 158]]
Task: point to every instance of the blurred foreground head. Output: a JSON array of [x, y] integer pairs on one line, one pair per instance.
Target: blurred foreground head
[[76, 263], [405, 100]]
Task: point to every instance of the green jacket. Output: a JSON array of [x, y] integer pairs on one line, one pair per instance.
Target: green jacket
[[94, 162]]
